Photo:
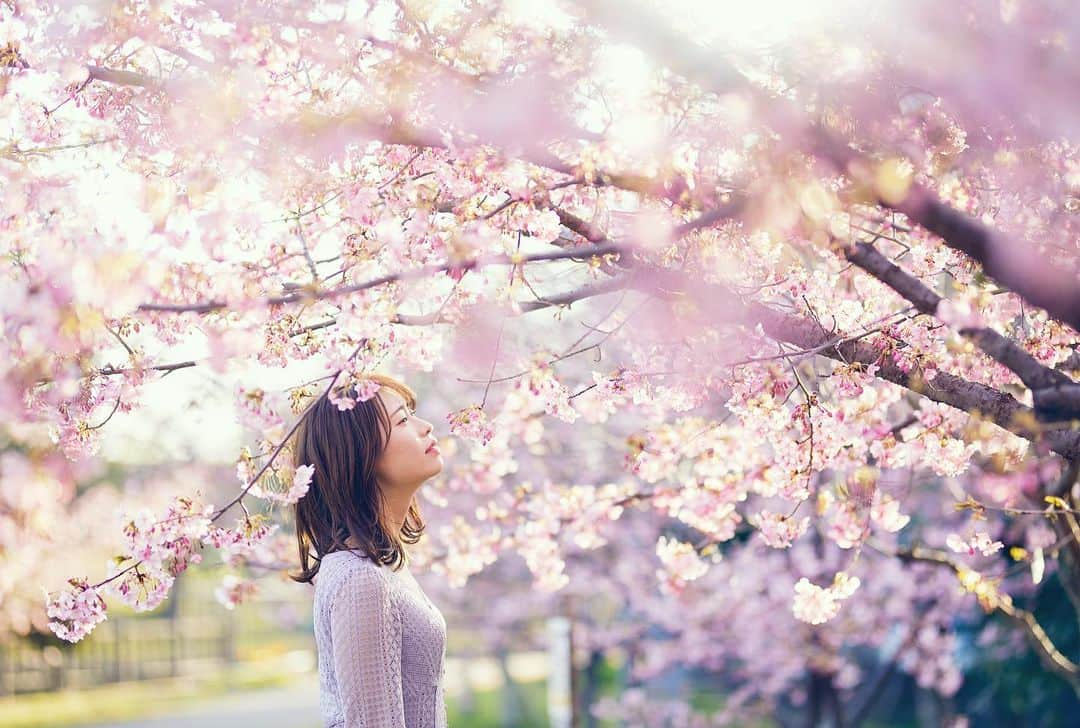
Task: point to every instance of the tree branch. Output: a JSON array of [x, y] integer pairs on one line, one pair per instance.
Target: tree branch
[[563, 299], [313, 293], [124, 78], [999, 407], [1052, 390], [1003, 259], [397, 131], [1048, 653]]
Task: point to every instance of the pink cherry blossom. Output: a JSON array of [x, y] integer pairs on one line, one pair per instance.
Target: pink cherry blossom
[[826, 299], [244, 541], [959, 313], [848, 527], [817, 605], [144, 587], [75, 612], [977, 542], [472, 424], [681, 563], [885, 512], [777, 529], [235, 590], [814, 604]]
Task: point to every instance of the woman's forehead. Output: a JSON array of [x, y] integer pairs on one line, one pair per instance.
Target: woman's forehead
[[391, 399]]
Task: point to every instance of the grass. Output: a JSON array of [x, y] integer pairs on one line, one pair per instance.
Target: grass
[[485, 709], [265, 667], [150, 698], [136, 699]]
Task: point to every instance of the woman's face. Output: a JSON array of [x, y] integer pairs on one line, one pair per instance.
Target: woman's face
[[406, 462]]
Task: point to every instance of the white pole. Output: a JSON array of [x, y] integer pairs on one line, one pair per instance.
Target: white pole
[[559, 697]]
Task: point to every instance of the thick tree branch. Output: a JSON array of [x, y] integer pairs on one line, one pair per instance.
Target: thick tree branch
[[1013, 265], [1057, 402], [999, 407], [1055, 395]]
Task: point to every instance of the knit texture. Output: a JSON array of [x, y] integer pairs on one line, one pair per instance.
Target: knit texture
[[381, 645]]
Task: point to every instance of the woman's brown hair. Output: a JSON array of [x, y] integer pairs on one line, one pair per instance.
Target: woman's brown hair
[[344, 498]]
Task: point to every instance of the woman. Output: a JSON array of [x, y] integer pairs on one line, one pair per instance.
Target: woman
[[381, 642]]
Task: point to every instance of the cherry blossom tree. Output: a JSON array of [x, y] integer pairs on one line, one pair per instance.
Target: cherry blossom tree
[[833, 270]]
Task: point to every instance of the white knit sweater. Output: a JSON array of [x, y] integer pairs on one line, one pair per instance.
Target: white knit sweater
[[381, 644]]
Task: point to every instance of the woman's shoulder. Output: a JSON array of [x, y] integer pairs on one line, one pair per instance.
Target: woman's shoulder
[[352, 565], [359, 557], [355, 578], [339, 569], [348, 559]]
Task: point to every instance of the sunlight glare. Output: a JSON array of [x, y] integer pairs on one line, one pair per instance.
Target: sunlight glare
[[751, 24]]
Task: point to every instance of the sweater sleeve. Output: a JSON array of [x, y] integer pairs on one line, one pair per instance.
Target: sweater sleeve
[[365, 632]]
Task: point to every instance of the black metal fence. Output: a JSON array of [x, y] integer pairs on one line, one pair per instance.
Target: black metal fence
[[191, 635], [121, 648]]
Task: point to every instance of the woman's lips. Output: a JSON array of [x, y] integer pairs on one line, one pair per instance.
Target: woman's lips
[[433, 448]]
